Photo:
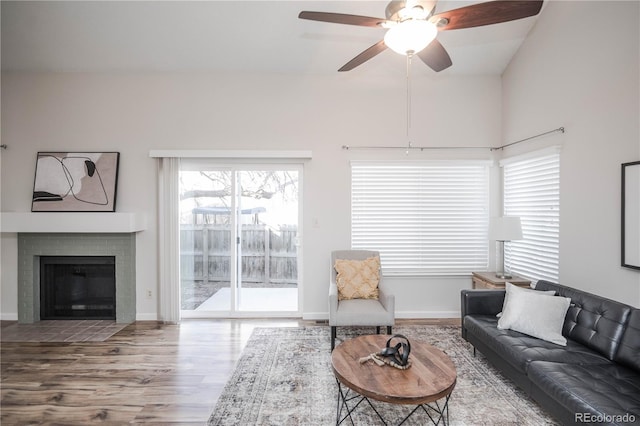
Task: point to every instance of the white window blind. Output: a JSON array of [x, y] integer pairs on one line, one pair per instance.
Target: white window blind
[[424, 218], [532, 192]]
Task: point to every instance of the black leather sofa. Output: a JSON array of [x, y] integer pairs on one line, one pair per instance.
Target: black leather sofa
[[595, 379]]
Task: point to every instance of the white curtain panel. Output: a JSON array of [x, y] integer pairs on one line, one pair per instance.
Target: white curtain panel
[[169, 239]]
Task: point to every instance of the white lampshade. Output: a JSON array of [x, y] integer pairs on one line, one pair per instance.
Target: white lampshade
[[410, 36], [505, 228]]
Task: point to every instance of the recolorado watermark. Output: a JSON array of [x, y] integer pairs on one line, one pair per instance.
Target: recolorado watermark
[[604, 418]]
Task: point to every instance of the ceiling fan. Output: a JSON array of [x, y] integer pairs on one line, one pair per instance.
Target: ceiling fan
[[412, 26]]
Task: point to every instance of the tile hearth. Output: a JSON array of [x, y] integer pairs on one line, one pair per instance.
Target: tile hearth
[[61, 331]]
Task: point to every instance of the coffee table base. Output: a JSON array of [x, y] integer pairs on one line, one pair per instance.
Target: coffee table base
[[437, 415]]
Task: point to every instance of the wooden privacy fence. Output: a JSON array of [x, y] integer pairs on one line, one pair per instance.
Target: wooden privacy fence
[[268, 256]]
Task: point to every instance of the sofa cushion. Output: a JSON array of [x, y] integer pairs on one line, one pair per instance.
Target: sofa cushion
[[629, 351], [594, 321], [519, 349], [601, 390]]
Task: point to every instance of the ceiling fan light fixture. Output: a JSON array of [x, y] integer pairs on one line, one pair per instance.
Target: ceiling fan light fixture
[[410, 37]]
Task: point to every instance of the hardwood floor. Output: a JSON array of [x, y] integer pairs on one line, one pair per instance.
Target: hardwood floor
[[147, 373]]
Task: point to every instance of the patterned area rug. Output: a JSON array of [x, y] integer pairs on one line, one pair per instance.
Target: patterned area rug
[[284, 377]]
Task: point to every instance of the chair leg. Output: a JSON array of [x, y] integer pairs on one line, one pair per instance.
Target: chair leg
[[388, 329], [378, 329], [333, 337]]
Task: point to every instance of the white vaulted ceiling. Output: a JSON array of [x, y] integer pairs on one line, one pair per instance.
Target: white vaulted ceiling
[[243, 36]]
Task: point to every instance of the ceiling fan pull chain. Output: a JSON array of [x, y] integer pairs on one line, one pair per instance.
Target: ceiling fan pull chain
[[409, 57]]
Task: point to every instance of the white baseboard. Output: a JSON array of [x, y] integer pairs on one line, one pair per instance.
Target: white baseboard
[[427, 314], [308, 316], [324, 316], [315, 316], [146, 317]]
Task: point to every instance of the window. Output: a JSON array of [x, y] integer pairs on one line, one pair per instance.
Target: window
[[424, 218], [532, 192]]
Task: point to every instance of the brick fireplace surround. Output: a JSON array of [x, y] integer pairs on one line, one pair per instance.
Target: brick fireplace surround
[[33, 245]]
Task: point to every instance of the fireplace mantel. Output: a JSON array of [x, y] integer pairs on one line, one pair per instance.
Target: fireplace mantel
[[72, 222]]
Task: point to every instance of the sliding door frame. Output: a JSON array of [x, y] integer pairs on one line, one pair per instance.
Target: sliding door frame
[[235, 166]]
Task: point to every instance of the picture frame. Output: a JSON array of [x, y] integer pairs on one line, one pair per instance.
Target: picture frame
[[631, 215], [75, 182]]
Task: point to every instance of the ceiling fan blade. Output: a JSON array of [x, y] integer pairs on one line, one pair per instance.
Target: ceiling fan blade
[[341, 18], [488, 13], [435, 56], [364, 56]]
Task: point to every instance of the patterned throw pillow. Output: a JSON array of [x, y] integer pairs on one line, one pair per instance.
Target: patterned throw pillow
[[358, 279]]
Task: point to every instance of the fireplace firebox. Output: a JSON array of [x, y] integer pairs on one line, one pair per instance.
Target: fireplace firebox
[[77, 287]]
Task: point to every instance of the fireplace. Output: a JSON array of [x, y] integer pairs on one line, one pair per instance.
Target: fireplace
[[77, 287], [35, 249]]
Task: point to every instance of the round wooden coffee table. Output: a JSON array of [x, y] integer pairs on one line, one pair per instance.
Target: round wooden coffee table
[[431, 377]]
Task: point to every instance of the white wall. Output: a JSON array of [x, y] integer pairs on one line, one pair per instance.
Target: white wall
[[135, 113], [579, 68], [573, 71]]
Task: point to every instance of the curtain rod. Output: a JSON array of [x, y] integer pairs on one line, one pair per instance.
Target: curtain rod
[[559, 129], [424, 148], [408, 147]]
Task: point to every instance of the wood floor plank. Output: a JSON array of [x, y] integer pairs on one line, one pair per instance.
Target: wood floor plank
[[147, 373], [57, 414]]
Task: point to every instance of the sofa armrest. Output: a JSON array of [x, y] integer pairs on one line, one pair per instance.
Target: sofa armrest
[[481, 302]]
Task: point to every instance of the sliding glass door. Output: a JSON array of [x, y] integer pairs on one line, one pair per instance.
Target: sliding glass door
[[239, 241]]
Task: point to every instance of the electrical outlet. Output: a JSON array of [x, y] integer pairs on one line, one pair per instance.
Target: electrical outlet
[[149, 294]]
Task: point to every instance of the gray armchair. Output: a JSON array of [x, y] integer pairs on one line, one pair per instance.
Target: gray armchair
[[359, 312]]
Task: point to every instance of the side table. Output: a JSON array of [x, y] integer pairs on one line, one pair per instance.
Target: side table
[[488, 280]]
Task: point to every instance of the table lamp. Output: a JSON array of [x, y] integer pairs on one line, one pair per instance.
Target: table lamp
[[501, 229]]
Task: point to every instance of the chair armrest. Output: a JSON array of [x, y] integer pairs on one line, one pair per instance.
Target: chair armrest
[[386, 298], [333, 301], [481, 302]]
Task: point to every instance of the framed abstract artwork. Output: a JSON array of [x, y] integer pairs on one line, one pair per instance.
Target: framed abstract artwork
[[75, 182]]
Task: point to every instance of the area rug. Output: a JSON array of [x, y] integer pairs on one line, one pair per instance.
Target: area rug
[[284, 377]]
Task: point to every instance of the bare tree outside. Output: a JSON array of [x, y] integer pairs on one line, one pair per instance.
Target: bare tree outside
[[268, 206]]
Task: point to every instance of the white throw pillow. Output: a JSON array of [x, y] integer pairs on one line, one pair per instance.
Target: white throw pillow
[[537, 315], [506, 296]]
